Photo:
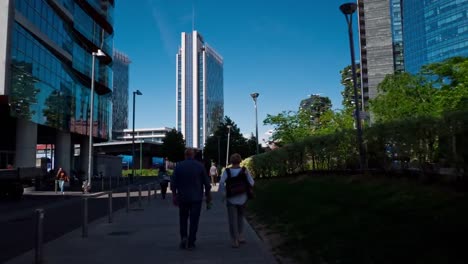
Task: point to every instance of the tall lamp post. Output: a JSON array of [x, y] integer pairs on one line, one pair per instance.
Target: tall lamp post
[[254, 97], [98, 53], [137, 92], [348, 9], [229, 138]]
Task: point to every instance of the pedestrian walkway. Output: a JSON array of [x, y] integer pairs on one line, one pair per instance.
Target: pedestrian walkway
[[151, 235]]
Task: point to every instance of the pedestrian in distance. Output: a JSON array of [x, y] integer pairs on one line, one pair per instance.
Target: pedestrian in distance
[[188, 184], [236, 184], [164, 179], [56, 181], [213, 173], [61, 178]]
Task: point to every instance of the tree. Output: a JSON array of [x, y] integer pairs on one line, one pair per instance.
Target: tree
[[449, 73], [315, 105], [174, 145], [452, 99], [289, 126], [348, 91], [439, 87], [252, 145], [237, 142], [403, 95], [335, 121], [292, 126], [451, 76]]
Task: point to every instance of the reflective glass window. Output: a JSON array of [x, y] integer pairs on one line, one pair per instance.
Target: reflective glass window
[[45, 91]]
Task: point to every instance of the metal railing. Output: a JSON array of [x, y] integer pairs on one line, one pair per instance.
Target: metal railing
[[140, 191], [40, 215]]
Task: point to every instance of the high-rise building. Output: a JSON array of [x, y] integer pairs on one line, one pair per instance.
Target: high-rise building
[[404, 35], [376, 44], [396, 15], [46, 52], [120, 94], [316, 105], [434, 31], [199, 89]]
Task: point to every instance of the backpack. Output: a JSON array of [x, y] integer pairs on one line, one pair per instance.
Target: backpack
[[237, 185]]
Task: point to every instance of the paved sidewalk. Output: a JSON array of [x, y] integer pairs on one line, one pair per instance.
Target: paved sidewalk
[[52, 199], [151, 236]]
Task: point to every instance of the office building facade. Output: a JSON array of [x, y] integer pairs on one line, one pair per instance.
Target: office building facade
[[46, 51], [376, 45], [397, 36], [155, 135], [120, 93], [434, 31], [199, 89]]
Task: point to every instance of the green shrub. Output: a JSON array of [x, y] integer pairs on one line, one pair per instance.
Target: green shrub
[[422, 140]]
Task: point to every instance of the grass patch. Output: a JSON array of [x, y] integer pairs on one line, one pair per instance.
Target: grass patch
[[342, 220]]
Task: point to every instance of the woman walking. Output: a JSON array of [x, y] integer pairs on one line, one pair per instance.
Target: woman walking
[[234, 185], [61, 178], [164, 179]]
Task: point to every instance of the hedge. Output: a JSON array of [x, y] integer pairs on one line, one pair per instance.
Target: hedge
[[424, 144]]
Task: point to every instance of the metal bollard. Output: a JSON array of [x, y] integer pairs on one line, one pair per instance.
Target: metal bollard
[[155, 190], [149, 193], [128, 199], [84, 230], [110, 206], [39, 257], [139, 196]]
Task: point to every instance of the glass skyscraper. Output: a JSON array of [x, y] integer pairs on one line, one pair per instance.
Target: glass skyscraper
[[396, 15], [45, 81], [120, 94], [404, 35], [199, 89], [434, 31]]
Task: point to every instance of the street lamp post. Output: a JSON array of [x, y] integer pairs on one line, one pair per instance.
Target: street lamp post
[[254, 97], [98, 53], [348, 9], [229, 138], [137, 92], [141, 157]]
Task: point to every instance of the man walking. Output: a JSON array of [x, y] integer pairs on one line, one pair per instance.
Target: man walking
[[213, 174], [188, 182]]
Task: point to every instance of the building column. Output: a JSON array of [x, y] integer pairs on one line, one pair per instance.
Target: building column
[[63, 151], [84, 156], [7, 14], [26, 142]]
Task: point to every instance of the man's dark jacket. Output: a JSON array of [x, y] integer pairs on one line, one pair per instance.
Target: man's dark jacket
[[189, 180]]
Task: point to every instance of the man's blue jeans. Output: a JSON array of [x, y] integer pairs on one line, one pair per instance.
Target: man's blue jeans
[[189, 210]]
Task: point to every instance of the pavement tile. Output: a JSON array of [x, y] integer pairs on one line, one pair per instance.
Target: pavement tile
[[151, 236]]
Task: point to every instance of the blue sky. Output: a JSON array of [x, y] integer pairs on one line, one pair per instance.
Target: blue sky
[[284, 50]]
